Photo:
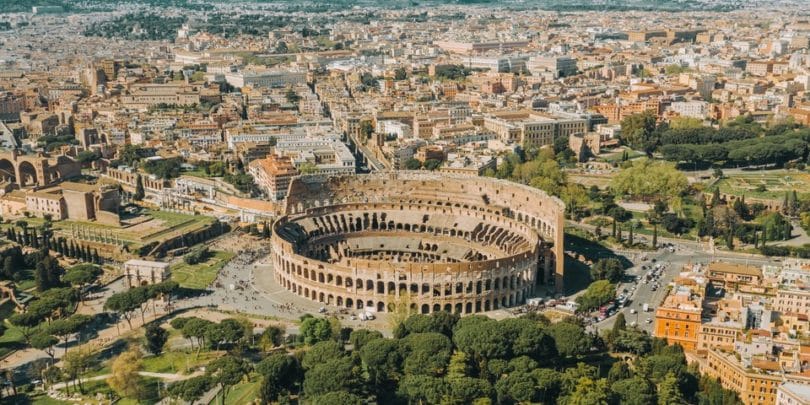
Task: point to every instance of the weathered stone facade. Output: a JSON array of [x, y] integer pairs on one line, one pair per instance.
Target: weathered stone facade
[[432, 241], [38, 170]]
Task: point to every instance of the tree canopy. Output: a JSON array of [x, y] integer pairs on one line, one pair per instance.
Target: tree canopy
[[649, 180]]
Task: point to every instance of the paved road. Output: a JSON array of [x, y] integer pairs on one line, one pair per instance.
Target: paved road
[[673, 263], [244, 285], [93, 305], [363, 150], [798, 235]]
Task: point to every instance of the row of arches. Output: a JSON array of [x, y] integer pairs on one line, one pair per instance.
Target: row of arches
[[508, 241], [518, 280], [24, 174], [477, 305], [545, 228]]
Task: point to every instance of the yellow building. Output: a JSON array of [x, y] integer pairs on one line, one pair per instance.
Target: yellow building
[[792, 300], [754, 387], [678, 325], [718, 336], [730, 275], [678, 319]]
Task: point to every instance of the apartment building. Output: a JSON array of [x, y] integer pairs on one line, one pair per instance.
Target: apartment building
[[273, 175], [44, 203], [691, 109], [328, 155], [731, 275], [792, 300], [678, 319], [270, 78], [759, 67], [644, 36], [467, 164], [616, 112], [754, 386], [718, 335], [791, 393], [142, 96], [559, 66], [532, 129]]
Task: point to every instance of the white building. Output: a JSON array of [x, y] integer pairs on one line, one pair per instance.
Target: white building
[[792, 393], [328, 154], [145, 272], [394, 127], [501, 64], [559, 66], [270, 78], [692, 109]]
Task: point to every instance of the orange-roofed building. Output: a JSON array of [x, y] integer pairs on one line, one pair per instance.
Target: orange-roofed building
[[678, 319], [273, 175], [730, 275]]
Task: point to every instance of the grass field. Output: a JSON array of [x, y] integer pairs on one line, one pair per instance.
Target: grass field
[[12, 339], [775, 183], [616, 156], [242, 393], [200, 275], [174, 223], [590, 179], [27, 281], [177, 362]]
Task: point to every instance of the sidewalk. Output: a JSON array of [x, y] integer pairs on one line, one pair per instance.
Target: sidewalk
[[163, 376]]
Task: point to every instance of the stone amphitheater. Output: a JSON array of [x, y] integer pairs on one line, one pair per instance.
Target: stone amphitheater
[[427, 240]]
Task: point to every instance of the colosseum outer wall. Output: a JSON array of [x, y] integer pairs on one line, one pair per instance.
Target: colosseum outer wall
[[463, 287]]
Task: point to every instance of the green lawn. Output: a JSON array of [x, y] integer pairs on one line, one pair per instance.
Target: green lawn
[[198, 172], [243, 393], [27, 281], [201, 275], [177, 362], [616, 157], [776, 183], [176, 223], [12, 339]]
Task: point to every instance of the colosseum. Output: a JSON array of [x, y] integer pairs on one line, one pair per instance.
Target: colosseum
[[431, 241]]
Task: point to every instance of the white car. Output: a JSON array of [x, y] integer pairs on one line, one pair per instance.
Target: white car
[[648, 320], [633, 311]]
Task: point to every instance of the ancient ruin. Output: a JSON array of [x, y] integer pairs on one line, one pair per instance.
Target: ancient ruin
[[430, 241]]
